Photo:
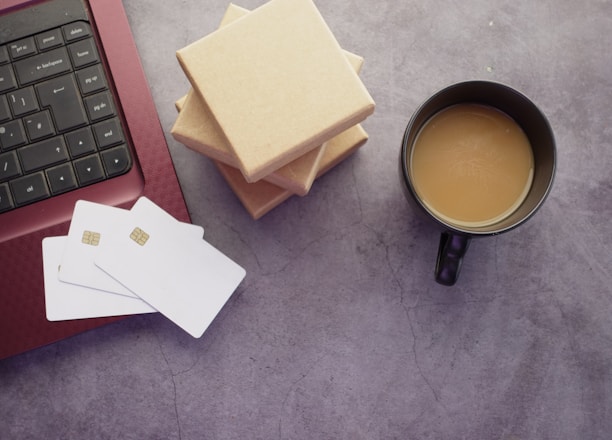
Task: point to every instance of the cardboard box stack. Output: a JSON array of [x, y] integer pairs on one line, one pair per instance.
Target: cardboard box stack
[[275, 102]]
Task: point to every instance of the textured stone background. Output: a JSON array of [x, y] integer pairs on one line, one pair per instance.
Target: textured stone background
[[339, 331]]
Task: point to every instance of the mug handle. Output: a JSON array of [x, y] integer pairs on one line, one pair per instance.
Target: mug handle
[[451, 250]]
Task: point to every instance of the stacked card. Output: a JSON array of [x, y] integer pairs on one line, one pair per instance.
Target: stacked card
[[118, 262], [275, 101]]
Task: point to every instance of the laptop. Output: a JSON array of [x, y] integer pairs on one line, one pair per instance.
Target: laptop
[[77, 122]]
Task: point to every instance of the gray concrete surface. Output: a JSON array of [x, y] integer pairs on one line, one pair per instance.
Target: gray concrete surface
[[339, 331]]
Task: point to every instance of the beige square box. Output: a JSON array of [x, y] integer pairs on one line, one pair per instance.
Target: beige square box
[[261, 197], [277, 84], [196, 129]]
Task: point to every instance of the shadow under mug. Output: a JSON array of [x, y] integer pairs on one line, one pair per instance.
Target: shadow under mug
[[455, 239]]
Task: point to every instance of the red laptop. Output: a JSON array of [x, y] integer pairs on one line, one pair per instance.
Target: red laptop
[[77, 121]]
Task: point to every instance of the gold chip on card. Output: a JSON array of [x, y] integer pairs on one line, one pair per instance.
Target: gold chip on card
[[91, 238], [139, 236]]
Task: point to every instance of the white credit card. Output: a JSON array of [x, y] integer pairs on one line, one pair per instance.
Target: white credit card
[[90, 227], [65, 301], [186, 279]]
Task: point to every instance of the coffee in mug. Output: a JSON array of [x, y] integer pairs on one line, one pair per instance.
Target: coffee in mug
[[472, 164], [478, 158]]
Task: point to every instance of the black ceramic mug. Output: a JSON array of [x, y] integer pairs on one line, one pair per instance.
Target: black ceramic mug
[[456, 235]]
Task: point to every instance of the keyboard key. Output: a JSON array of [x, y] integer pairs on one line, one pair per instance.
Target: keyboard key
[[42, 66], [91, 79], [89, 169], [99, 106], [30, 188], [76, 31], [116, 160], [6, 200], [12, 134], [5, 112], [22, 48], [108, 133], [49, 40], [4, 56], [9, 166], [83, 53], [81, 142], [39, 125], [43, 154], [62, 95], [7, 78], [61, 178], [22, 101]]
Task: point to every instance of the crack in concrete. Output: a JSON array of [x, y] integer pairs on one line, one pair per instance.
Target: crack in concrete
[[408, 309], [173, 377], [291, 389], [174, 397], [417, 363], [298, 253], [247, 245]]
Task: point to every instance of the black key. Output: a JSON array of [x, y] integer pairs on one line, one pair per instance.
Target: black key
[[91, 79], [22, 48], [49, 40], [83, 53], [116, 160], [39, 125], [62, 95], [61, 178], [43, 154], [89, 169], [99, 106], [29, 188], [12, 134], [81, 142], [44, 65], [4, 56], [22, 101], [108, 133], [76, 31], [5, 112], [6, 200], [7, 78], [9, 166]]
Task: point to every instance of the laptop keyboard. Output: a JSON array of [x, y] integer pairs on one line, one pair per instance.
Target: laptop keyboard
[[59, 127]]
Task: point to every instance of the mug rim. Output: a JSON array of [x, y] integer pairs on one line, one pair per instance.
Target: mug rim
[[406, 148]]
